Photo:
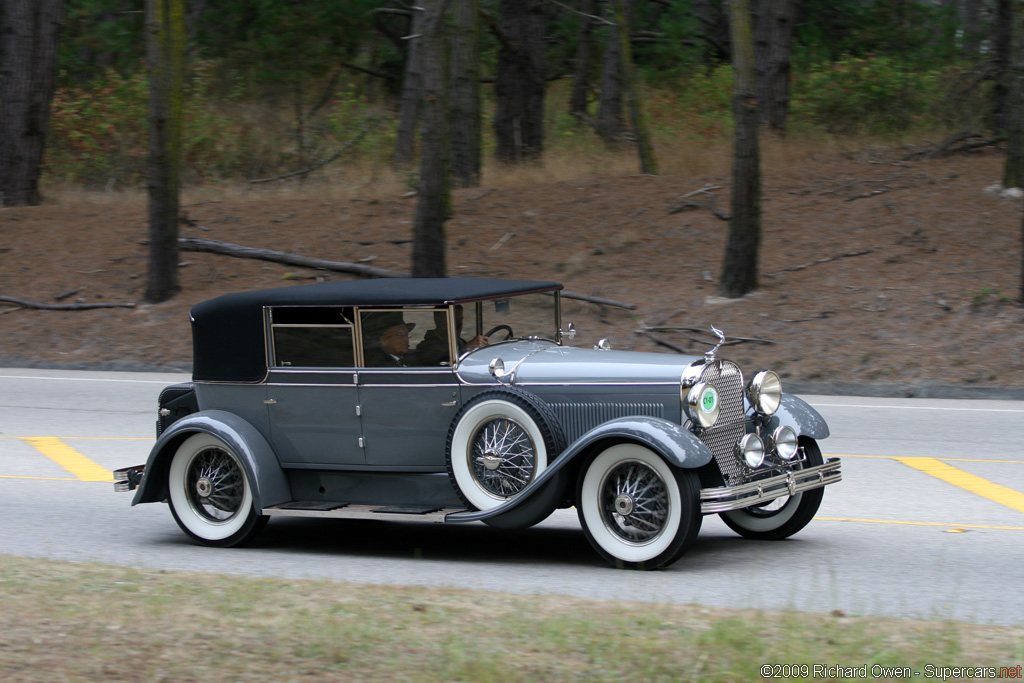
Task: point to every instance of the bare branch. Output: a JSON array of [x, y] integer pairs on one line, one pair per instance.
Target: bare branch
[[25, 303]]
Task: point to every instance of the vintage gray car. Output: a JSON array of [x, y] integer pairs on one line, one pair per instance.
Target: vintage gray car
[[459, 400]]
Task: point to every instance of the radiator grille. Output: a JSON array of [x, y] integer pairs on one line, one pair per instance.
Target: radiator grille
[[727, 378], [577, 418]]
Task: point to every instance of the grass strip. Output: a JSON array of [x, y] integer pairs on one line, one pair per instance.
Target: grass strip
[[86, 622]]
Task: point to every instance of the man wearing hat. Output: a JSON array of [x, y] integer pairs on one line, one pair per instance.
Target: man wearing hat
[[386, 339]]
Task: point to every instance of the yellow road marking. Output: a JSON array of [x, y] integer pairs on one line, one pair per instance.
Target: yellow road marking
[[15, 476], [965, 480], [896, 521], [67, 457], [94, 438], [891, 457]]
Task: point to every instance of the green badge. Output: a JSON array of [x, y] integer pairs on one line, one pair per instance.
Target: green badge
[[709, 400]]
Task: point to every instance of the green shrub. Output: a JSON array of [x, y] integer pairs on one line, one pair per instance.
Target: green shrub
[[875, 95]]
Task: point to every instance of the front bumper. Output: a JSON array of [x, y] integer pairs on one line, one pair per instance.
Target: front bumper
[[725, 498]]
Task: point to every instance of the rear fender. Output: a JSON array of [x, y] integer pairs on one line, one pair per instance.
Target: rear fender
[[678, 446], [269, 484]]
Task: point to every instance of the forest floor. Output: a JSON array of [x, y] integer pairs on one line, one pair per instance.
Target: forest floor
[[918, 295]]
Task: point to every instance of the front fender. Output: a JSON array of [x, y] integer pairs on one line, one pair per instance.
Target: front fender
[[796, 413], [269, 484], [677, 445]]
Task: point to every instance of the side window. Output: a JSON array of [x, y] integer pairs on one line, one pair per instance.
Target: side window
[[314, 337], [411, 337]]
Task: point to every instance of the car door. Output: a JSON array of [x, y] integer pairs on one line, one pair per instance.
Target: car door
[[408, 395], [312, 390]]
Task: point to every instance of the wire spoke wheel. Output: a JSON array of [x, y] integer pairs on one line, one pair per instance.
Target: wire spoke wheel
[[215, 484], [210, 494], [634, 502], [503, 457], [637, 510]]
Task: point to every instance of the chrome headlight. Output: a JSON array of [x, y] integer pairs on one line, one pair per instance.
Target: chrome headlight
[[702, 404], [786, 444], [765, 392], [751, 450]]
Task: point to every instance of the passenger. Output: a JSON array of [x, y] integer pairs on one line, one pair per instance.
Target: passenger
[[386, 339], [433, 350]]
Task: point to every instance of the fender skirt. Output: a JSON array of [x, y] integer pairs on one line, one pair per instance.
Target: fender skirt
[[269, 485], [796, 413], [677, 445]]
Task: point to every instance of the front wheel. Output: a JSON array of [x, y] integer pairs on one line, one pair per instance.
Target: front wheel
[[636, 510], [782, 517], [210, 494]]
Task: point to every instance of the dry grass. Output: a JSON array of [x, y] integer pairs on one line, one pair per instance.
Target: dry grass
[[86, 622]]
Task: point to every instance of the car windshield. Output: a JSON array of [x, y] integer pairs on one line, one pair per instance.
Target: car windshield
[[527, 315]]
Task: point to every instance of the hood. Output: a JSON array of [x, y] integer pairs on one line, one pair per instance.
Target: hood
[[540, 362]]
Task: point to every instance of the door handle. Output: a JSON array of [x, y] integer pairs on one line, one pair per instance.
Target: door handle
[[271, 401], [449, 403]]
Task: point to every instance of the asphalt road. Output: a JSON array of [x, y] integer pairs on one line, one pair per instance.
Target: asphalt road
[[927, 523]]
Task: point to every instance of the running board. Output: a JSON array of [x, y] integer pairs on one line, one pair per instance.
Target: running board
[[397, 513]]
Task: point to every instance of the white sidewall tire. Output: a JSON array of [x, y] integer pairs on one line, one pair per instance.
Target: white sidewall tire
[[770, 523], [183, 510], [462, 436], [590, 502]]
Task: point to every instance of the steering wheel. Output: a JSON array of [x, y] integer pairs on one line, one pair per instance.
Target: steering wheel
[[498, 328]]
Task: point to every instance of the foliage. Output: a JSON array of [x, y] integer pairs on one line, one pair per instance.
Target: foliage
[[875, 94], [274, 41], [98, 133], [98, 35], [916, 32]]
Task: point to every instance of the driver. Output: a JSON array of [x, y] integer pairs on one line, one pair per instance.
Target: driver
[[433, 350]]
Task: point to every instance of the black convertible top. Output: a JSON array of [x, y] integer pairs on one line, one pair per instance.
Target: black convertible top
[[228, 334]]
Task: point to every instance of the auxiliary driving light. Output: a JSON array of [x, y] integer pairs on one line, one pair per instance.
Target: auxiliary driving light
[[786, 444], [751, 449]]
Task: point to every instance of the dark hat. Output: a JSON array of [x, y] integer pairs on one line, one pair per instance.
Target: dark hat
[[376, 324]]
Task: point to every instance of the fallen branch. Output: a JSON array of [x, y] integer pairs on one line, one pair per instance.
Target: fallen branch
[[873, 193], [951, 146], [819, 261], [65, 295], [598, 300], [698, 330], [663, 342], [25, 303], [239, 251], [687, 203], [315, 166]]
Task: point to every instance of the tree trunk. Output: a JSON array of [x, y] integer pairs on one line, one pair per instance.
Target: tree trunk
[[29, 30], [645, 151], [1013, 171], [434, 205], [740, 267], [165, 23], [970, 12], [465, 100], [584, 57], [1003, 40], [610, 124], [773, 47], [519, 84], [412, 88]]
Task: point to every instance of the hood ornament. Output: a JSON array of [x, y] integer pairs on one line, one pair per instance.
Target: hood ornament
[[709, 356]]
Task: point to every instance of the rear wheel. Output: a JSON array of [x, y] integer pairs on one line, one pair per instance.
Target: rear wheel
[[210, 494], [636, 510], [782, 517]]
